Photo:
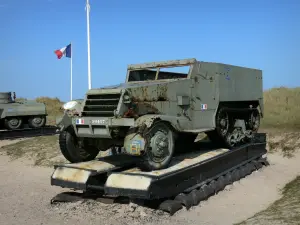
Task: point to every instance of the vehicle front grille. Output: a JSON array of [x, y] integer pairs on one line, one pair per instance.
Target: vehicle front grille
[[102, 105]]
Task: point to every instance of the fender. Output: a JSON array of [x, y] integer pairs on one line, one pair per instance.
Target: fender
[[64, 122], [176, 122]]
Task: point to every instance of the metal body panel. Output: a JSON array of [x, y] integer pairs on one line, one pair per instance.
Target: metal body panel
[[94, 132], [20, 109], [98, 127], [217, 82], [104, 121], [11, 108], [205, 95], [239, 83]]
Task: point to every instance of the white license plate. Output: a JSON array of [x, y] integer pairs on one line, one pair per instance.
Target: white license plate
[[98, 121]]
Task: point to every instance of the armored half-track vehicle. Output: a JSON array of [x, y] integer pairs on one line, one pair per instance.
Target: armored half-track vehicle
[[14, 114], [156, 112]]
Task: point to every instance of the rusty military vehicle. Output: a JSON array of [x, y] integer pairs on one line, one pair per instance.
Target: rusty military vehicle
[[14, 114], [157, 112]]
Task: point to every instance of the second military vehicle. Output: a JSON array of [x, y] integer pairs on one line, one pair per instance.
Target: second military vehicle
[[14, 114], [156, 112]]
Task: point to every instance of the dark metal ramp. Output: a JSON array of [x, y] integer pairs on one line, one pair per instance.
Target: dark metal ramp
[[191, 177], [186, 172], [117, 175]]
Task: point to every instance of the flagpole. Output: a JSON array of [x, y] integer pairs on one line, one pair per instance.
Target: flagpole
[[88, 42], [71, 71]]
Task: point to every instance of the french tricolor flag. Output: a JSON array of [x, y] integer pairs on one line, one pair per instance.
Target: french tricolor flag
[[65, 51], [79, 121], [203, 106]]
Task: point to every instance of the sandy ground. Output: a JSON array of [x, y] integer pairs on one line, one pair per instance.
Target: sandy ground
[[26, 193]]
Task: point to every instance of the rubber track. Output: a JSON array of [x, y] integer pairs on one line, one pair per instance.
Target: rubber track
[[193, 196], [28, 132]]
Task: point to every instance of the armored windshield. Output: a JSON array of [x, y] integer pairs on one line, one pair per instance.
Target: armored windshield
[[147, 74], [144, 75], [172, 69]]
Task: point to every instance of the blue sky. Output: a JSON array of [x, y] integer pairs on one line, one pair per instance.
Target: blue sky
[[259, 34]]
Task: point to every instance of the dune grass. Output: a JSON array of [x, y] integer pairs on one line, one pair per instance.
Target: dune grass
[[53, 107], [285, 210], [43, 151], [282, 123], [282, 108]]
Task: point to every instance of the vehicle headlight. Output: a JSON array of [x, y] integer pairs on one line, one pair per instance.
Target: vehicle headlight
[[70, 105]]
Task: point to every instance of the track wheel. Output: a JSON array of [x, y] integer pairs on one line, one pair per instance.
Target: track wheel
[[222, 123], [254, 121], [72, 152], [37, 121], [160, 143], [218, 136], [13, 123]]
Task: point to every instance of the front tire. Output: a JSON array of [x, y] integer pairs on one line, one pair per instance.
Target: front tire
[[72, 152], [160, 145]]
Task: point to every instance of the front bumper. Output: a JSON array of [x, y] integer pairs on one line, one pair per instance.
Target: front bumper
[[99, 127]]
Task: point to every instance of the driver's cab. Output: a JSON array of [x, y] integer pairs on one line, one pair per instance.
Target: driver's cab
[[157, 70]]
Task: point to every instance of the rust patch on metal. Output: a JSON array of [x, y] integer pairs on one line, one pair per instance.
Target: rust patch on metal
[[146, 120], [158, 93], [162, 92], [146, 108]]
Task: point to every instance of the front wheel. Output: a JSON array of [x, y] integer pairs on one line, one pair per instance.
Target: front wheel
[[160, 144], [72, 152]]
